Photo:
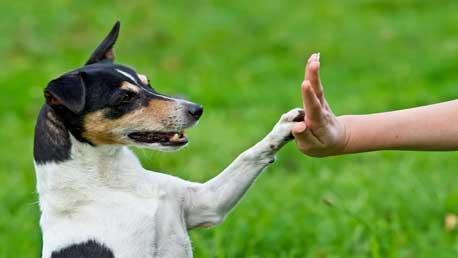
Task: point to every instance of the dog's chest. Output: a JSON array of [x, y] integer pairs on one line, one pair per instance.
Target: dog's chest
[[132, 212], [129, 225]]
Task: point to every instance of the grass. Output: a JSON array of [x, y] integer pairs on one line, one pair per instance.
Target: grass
[[243, 60]]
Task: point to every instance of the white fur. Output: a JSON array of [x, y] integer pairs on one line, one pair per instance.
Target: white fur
[[105, 194], [127, 75]]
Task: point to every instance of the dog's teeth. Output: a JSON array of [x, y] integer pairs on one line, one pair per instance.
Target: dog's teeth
[[176, 137]]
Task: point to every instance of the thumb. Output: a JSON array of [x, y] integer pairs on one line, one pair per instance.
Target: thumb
[[304, 136], [299, 128]]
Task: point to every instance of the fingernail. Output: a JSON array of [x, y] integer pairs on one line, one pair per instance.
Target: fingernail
[[318, 56]]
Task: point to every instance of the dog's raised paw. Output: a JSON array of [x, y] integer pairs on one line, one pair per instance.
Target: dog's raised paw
[[294, 115], [282, 130]]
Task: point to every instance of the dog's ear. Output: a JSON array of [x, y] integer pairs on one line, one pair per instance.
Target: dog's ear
[[105, 52], [68, 91]]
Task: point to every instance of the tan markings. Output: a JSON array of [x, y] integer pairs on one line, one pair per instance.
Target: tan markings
[[143, 78], [110, 54], [101, 130], [129, 86]]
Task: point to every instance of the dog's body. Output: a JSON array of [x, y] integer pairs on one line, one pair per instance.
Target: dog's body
[[95, 197]]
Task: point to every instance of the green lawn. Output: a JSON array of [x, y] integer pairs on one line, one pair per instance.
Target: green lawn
[[243, 60]]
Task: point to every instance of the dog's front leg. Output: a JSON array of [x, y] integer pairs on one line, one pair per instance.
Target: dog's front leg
[[207, 204]]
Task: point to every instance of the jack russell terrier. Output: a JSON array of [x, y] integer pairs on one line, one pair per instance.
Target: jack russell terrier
[[96, 199]]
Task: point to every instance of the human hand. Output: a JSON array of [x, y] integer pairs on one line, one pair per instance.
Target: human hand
[[321, 133]]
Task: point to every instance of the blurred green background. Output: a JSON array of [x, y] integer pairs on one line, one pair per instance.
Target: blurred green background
[[243, 60]]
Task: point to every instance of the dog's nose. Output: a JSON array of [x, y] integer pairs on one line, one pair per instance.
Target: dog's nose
[[195, 111]]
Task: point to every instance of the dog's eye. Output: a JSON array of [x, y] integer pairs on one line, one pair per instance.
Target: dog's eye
[[127, 97]]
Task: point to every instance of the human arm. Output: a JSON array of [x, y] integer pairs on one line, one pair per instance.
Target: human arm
[[433, 127]]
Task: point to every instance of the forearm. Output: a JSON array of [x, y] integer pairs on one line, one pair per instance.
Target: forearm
[[207, 204], [211, 201], [433, 127]]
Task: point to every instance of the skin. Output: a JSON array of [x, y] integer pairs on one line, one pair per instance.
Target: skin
[[321, 134]]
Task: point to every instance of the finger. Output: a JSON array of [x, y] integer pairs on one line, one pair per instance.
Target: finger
[[308, 63], [314, 58], [312, 74], [304, 136], [312, 106], [299, 127]]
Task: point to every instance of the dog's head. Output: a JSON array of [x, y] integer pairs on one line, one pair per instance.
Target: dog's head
[[106, 103]]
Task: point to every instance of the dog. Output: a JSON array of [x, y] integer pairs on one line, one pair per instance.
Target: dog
[[96, 199]]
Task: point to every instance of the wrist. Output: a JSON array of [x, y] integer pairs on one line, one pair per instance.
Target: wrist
[[345, 137]]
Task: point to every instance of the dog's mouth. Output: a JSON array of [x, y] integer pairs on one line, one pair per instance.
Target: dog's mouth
[[163, 138]]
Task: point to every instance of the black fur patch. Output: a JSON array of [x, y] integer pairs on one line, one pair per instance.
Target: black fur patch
[[52, 140], [89, 249]]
